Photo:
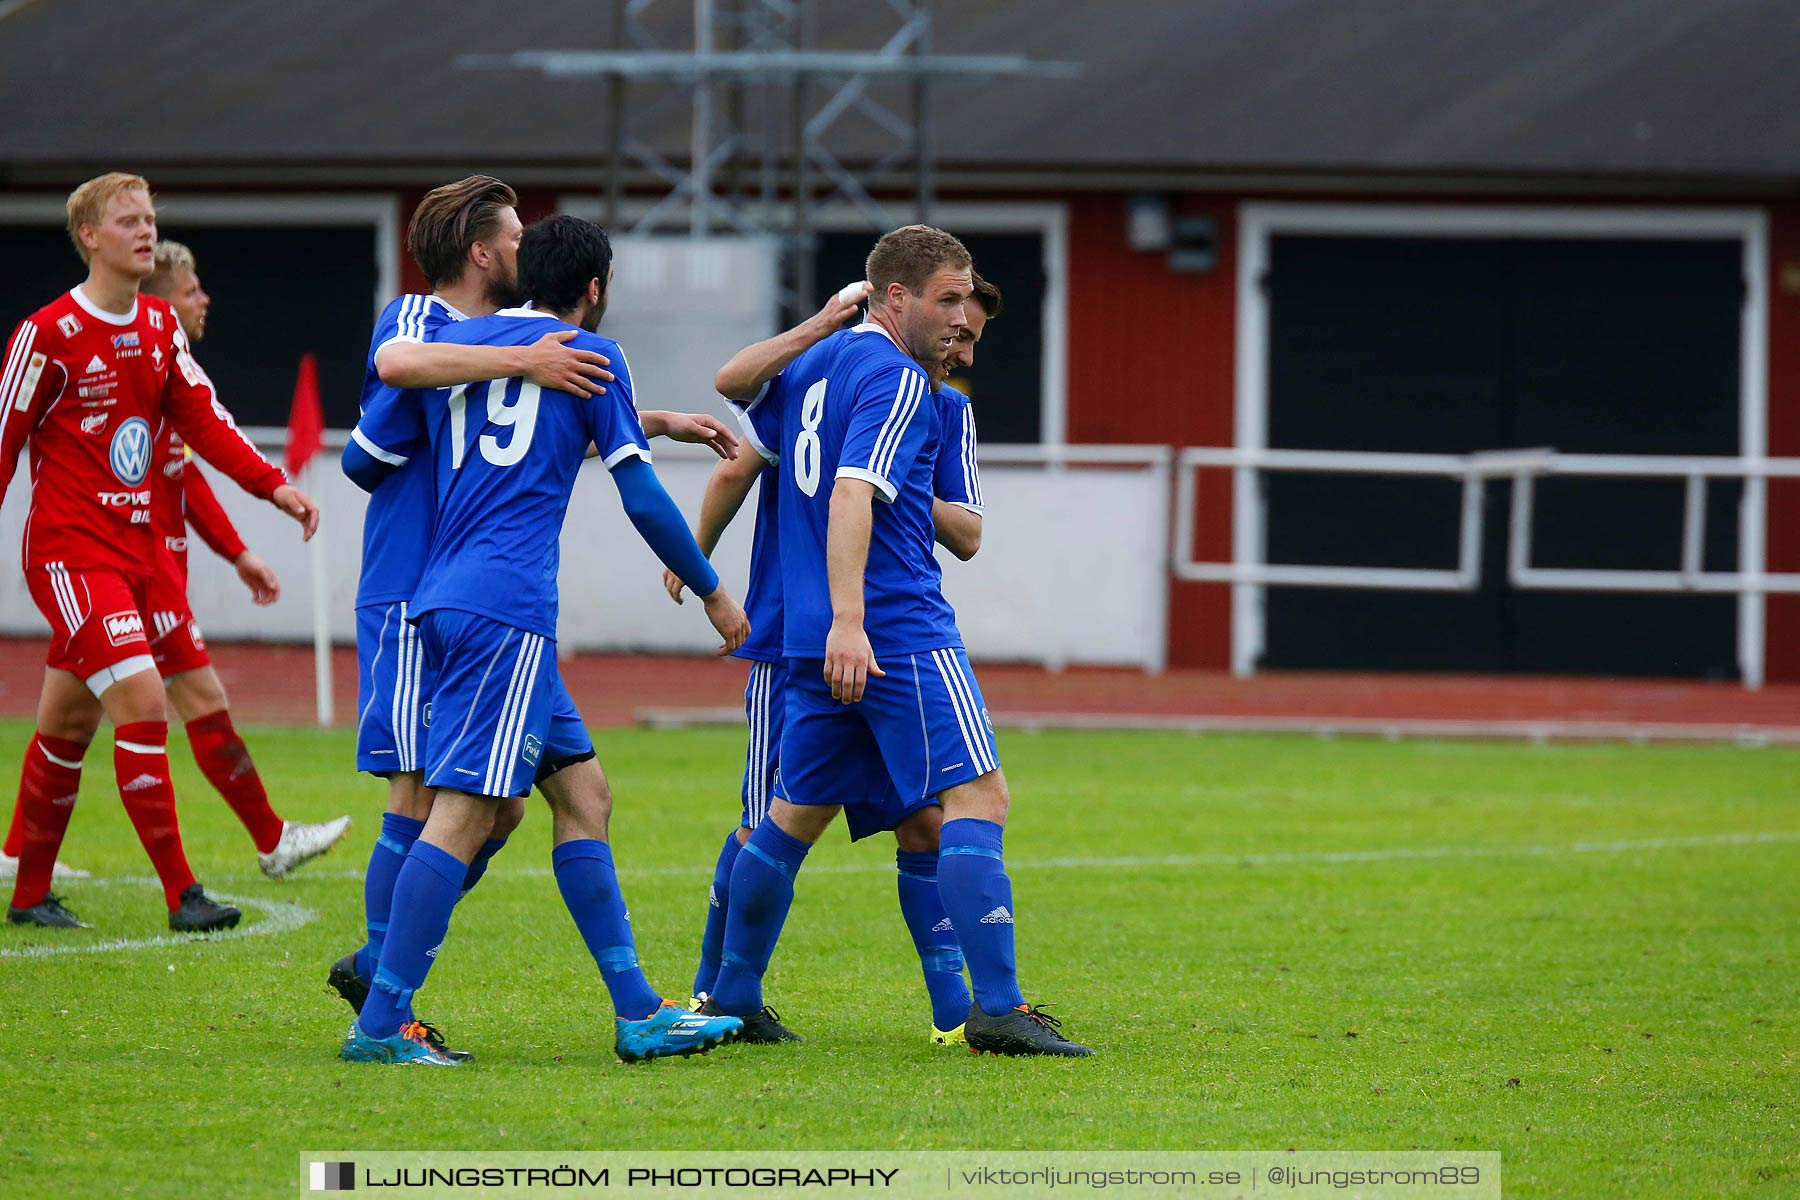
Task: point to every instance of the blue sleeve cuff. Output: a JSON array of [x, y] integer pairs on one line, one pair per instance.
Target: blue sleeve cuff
[[364, 469], [662, 526]]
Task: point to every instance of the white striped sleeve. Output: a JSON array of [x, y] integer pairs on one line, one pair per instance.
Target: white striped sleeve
[[877, 466], [971, 472]]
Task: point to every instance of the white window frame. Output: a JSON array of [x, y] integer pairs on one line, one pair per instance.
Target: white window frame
[[1261, 221], [1049, 219]]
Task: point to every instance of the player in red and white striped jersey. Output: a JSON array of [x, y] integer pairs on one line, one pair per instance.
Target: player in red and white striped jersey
[[87, 383]]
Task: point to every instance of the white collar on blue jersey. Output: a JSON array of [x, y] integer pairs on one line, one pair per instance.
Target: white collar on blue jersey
[[882, 330], [450, 308], [525, 310]]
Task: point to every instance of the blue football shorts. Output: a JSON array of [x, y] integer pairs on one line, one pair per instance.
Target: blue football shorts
[[922, 729], [496, 692], [393, 686]]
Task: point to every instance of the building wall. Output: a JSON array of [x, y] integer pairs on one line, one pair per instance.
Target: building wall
[[1783, 633], [1150, 356]]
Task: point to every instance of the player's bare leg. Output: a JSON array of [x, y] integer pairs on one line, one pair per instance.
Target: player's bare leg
[[645, 1025], [977, 894], [408, 796], [198, 698]]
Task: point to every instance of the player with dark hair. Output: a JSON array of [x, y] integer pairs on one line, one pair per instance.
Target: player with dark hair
[[465, 238], [861, 588], [88, 381], [504, 457]]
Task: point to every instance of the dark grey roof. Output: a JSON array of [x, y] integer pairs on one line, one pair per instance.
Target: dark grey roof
[[1683, 89]]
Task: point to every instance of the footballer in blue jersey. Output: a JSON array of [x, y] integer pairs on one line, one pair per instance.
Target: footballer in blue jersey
[[750, 376], [464, 236], [504, 455], [877, 680]]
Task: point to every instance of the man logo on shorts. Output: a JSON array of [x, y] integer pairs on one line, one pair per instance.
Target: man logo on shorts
[[122, 627], [130, 452]]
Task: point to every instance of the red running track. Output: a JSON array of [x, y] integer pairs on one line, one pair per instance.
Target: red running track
[[269, 683]]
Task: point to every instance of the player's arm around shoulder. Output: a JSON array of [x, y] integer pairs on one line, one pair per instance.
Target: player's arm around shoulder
[[746, 373], [550, 362]]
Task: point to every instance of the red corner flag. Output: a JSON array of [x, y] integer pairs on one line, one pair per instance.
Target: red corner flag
[[306, 420]]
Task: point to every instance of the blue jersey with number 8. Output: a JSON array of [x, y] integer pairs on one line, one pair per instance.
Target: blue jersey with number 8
[[855, 406], [505, 454]]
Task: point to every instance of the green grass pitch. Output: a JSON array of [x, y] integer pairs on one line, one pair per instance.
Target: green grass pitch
[[1585, 957]]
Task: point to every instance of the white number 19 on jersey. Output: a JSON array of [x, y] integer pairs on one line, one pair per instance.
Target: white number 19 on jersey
[[520, 414]]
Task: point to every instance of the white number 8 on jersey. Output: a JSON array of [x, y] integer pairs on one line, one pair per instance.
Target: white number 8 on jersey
[[806, 446]]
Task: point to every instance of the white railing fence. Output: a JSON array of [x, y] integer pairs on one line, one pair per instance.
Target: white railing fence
[[1077, 556], [1750, 582]]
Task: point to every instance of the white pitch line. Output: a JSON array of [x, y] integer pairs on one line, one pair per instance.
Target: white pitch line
[[277, 919], [1290, 858]]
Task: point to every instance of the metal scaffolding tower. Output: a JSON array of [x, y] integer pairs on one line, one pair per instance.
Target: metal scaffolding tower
[[767, 108]]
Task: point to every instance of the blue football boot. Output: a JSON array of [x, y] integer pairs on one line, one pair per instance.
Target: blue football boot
[[671, 1031]]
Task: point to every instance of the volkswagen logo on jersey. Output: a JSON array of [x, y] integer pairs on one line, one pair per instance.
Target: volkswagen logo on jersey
[[130, 452]]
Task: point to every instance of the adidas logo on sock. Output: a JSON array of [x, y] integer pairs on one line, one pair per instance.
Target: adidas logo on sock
[[65, 801], [943, 926], [141, 783], [998, 917], [712, 896]]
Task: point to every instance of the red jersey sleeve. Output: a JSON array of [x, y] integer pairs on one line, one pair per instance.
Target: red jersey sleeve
[[207, 516], [205, 425], [29, 379]]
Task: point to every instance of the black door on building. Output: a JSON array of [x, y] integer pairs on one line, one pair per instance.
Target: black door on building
[[278, 292], [1455, 345], [1007, 381]]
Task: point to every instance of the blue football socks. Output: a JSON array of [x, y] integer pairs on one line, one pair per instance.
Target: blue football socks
[[424, 895], [718, 904], [479, 867], [762, 891], [397, 835], [978, 896], [940, 954], [590, 890]]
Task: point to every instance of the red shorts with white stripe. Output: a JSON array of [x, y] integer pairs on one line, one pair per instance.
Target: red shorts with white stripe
[[97, 622], [175, 639]]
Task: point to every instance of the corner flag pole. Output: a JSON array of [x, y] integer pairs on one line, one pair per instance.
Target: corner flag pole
[[321, 614], [305, 438]]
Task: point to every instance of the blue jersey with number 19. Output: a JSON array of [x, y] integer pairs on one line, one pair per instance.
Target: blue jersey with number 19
[[856, 406], [505, 455], [392, 429]]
